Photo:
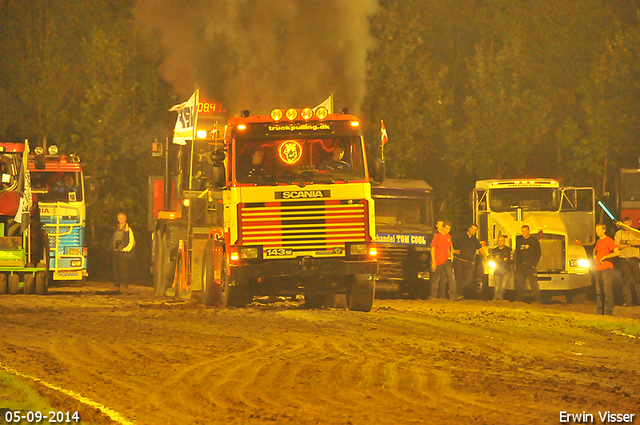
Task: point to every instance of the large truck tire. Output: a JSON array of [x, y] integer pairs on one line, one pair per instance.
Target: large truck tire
[[232, 294], [3, 283], [164, 267], [210, 289], [42, 286], [14, 284], [29, 284], [362, 292], [313, 299], [417, 289]]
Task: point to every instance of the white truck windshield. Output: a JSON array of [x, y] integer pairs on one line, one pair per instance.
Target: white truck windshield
[[527, 198]]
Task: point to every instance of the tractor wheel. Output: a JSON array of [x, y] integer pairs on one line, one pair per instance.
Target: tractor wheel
[[3, 283], [14, 284], [362, 292], [41, 283], [29, 284], [164, 268]]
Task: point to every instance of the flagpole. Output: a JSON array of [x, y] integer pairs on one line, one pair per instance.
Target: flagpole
[[331, 96], [193, 142]]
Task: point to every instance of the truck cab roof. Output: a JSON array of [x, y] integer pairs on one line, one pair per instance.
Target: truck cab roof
[[401, 188], [525, 182]]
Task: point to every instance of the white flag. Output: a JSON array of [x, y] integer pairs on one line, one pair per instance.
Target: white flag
[[327, 104], [24, 186], [187, 117]]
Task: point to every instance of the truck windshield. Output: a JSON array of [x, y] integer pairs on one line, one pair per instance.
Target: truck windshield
[[57, 186], [299, 160], [399, 212], [529, 198]]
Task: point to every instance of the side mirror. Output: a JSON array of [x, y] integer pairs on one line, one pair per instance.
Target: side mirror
[[377, 170], [219, 171]]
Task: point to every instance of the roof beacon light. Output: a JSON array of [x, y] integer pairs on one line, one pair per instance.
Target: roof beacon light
[[53, 149], [291, 114], [322, 112], [276, 114], [306, 114]]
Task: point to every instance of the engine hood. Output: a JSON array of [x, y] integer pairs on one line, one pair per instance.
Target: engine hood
[[549, 223]]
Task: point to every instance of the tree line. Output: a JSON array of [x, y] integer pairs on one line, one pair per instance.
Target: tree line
[[478, 89], [76, 74]]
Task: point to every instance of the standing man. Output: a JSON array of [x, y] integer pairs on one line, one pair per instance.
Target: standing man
[[605, 249], [501, 256], [629, 262], [527, 257], [465, 247], [441, 254], [122, 244]]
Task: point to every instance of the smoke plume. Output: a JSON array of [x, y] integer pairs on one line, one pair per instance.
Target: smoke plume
[[262, 54]]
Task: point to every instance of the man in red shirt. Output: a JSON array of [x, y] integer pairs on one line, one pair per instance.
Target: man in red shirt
[[605, 249], [441, 255]]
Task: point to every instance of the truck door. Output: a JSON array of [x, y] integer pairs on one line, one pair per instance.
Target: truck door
[[577, 211], [481, 214]]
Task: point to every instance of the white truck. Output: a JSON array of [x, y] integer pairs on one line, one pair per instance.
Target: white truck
[[562, 218]]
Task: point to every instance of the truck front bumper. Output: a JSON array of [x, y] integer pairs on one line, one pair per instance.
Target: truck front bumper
[[301, 267]]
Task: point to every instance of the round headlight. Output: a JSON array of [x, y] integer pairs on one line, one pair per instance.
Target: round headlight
[[306, 114], [186, 202], [276, 114], [38, 150], [291, 114], [53, 149], [322, 112]]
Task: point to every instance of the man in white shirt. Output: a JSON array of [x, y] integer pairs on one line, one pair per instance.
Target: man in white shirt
[[629, 263]]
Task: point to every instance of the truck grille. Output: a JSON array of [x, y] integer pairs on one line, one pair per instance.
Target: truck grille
[[553, 258], [390, 261], [303, 226]]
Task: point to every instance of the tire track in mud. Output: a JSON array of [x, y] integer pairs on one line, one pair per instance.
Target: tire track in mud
[[406, 362]]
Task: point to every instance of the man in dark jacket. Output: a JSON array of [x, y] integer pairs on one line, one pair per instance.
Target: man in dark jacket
[[465, 246], [527, 258]]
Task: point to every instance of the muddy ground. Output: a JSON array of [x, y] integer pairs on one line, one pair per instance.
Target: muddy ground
[[158, 361]]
